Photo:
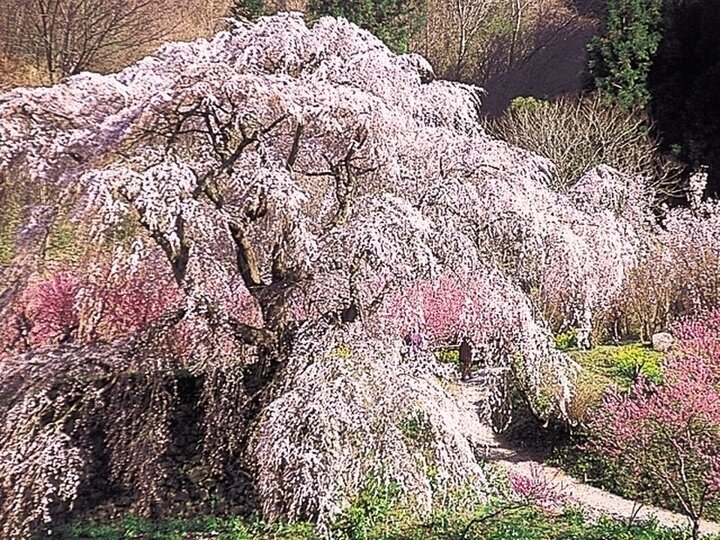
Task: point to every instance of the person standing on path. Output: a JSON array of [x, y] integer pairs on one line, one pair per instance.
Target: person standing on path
[[466, 359]]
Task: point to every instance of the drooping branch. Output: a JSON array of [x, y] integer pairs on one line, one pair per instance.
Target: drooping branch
[[377, 302], [279, 269], [345, 173], [224, 138], [175, 245], [245, 259]]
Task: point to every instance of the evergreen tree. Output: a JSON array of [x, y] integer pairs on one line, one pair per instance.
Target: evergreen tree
[[391, 20], [620, 59], [684, 79], [247, 9]]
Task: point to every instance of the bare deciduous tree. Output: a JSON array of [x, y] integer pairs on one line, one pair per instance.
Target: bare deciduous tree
[[509, 47], [579, 134], [452, 33], [192, 18], [65, 37]]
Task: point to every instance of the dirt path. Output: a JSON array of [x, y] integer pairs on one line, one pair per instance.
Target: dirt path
[[594, 499], [591, 498]]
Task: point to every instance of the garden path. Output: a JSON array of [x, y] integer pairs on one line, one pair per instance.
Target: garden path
[[521, 461]]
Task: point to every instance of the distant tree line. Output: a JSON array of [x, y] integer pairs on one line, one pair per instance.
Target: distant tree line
[[509, 47]]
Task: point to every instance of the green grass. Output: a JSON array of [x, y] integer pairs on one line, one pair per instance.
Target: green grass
[[376, 521], [448, 356], [566, 340], [622, 364], [380, 513], [227, 528]]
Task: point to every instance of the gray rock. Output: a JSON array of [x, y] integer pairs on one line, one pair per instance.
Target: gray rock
[[662, 341]]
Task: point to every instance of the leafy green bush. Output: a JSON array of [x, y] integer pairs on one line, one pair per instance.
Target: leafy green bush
[[449, 356], [247, 9], [634, 360], [619, 60], [393, 21]]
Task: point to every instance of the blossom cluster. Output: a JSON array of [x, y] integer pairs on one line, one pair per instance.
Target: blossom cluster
[[536, 488]]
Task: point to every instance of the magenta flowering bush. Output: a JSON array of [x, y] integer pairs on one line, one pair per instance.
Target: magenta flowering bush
[[52, 310], [670, 433], [537, 489], [700, 336], [87, 304]]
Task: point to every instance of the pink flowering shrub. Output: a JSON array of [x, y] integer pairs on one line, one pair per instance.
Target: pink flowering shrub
[[51, 307], [700, 337], [116, 305], [447, 308], [475, 306], [537, 489], [87, 305], [670, 434]]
